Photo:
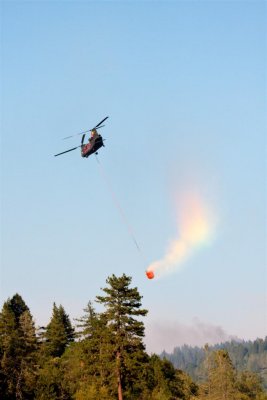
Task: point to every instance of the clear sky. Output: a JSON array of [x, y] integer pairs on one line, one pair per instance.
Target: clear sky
[[184, 85]]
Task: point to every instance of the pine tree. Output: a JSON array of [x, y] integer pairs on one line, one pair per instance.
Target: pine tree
[[122, 305], [250, 386], [29, 354], [9, 345], [59, 332], [18, 306], [87, 323], [95, 346], [54, 340], [18, 347], [165, 382], [222, 378]]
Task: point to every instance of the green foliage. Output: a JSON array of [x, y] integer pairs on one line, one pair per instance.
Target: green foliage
[[90, 391], [168, 383], [124, 333], [108, 359], [251, 356], [250, 386], [18, 348], [224, 383], [59, 332], [50, 381], [90, 359], [221, 376]]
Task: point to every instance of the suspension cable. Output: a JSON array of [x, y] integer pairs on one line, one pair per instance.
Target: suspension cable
[[117, 204]]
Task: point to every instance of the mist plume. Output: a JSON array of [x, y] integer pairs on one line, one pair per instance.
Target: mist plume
[[196, 228]]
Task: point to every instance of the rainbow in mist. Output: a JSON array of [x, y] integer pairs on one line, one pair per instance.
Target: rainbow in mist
[[196, 229]]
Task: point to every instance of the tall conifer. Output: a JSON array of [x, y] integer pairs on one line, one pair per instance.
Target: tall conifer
[[59, 332], [96, 347], [221, 377], [18, 345], [122, 306]]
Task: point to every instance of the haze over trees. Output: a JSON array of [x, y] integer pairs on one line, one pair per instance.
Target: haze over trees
[[103, 357], [245, 356]]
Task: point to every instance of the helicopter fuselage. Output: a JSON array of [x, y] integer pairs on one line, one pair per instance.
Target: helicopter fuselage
[[91, 147]]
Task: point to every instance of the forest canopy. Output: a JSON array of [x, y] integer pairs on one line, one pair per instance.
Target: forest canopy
[[103, 357]]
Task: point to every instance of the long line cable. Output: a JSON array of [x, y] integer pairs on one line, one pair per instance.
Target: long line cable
[[118, 206]]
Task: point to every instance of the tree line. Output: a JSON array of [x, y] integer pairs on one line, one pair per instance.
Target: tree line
[[103, 357], [245, 355]]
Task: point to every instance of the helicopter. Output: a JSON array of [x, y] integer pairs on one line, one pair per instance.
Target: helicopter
[[94, 144]]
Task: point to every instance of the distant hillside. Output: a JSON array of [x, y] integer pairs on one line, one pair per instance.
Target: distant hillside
[[251, 356]]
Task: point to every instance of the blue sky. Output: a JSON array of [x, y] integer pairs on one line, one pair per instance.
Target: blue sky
[[184, 85]]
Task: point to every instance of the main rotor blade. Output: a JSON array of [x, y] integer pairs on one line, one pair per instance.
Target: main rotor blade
[[98, 126], [100, 122], [80, 133], [63, 152]]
